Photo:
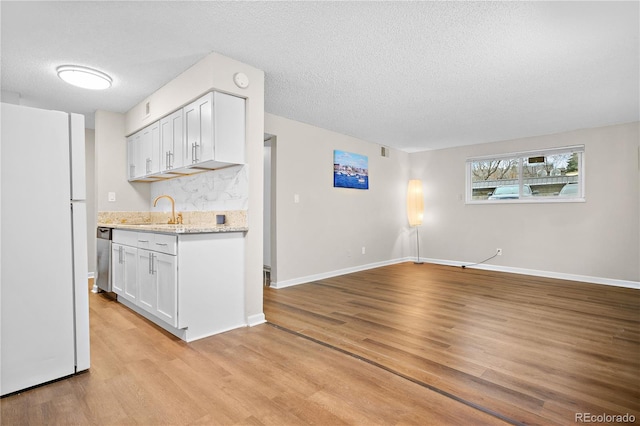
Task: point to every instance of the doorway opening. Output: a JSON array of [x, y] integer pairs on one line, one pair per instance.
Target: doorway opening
[[269, 272]]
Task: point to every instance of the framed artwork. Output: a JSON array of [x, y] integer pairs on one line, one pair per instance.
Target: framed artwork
[[350, 170]]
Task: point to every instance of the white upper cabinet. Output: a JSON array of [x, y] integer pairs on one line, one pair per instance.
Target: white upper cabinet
[[151, 148], [143, 150], [172, 153], [229, 128], [131, 157], [207, 134], [198, 128], [215, 131], [137, 166]]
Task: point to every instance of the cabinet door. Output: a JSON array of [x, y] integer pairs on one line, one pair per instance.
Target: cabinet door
[[147, 287], [130, 273], [154, 155], [117, 269], [229, 128], [140, 162], [167, 288], [133, 170], [131, 155], [171, 140], [198, 130], [150, 149]]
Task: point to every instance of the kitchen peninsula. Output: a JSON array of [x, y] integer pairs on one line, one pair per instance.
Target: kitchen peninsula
[[186, 278]]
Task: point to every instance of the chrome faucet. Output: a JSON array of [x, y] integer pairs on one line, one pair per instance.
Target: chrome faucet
[[173, 207]]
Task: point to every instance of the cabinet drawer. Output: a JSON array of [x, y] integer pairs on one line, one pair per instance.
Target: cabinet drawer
[[144, 240], [127, 238], [165, 244]]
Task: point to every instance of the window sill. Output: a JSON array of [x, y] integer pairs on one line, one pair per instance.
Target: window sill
[[529, 201]]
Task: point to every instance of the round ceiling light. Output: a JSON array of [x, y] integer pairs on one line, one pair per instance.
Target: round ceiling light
[[84, 77]]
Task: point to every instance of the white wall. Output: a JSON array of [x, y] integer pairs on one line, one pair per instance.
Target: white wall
[[324, 233], [599, 238], [111, 167]]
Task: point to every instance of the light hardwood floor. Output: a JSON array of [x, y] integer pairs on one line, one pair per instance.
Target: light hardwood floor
[[403, 344], [255, 376], [533, 350]]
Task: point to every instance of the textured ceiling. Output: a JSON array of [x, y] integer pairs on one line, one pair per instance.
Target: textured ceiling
[[412, 75]]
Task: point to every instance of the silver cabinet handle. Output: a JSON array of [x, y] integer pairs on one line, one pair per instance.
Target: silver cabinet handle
[[120, 254], [162, 244], [170, 159], [143, 241], [194, 152], [148, 165], [151, 263]]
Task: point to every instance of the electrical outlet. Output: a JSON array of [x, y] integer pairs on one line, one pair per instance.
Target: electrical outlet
[[499, 251], [363, 250]]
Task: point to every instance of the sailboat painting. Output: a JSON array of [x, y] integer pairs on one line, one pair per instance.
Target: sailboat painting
[[350, 170]]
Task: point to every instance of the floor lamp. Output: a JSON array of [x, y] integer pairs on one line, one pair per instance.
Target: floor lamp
[[415, 209]]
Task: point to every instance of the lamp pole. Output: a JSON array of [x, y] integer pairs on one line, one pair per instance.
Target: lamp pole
[[418, 262]]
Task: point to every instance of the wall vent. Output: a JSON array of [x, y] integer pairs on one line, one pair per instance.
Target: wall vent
[[384, 151]]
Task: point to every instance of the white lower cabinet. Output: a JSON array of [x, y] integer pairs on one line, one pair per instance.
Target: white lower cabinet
[[117, 269], [145, 276], [167, 288], [158, 285], [124, 271], [190, 284], [147, 285]]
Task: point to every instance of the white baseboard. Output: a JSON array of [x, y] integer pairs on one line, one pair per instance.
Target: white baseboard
[[91, 275], [331, 274], [538, 273], [257, 319], [522, 271]]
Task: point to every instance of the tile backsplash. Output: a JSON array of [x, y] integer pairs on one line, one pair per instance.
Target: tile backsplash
[[216, 190]]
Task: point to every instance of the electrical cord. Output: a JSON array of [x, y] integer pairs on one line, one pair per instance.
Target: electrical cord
[[478, 263]]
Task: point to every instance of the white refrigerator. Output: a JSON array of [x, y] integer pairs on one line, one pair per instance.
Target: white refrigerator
[[43, 247]]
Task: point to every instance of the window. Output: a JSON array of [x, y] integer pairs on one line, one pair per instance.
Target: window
[[552, 175]]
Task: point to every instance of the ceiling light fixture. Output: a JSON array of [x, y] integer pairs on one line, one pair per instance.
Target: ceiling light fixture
[[84, 77]]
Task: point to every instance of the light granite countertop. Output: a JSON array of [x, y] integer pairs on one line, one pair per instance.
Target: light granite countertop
[[195, 222], [175, 229]]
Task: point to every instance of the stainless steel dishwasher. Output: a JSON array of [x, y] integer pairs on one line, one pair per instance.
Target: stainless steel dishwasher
[[103, 263]]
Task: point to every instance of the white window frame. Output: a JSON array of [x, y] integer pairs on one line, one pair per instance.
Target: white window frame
[[580, 198]]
